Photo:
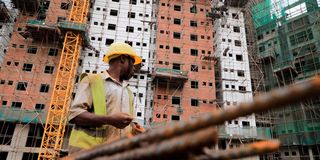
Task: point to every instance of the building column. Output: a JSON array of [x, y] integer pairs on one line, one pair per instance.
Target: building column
[[310, 153], [18, 141]]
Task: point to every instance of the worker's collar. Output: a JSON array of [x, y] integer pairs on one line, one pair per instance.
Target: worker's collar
[[107, 76]]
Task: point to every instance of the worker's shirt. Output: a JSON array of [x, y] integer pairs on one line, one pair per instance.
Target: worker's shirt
[[117, 100]]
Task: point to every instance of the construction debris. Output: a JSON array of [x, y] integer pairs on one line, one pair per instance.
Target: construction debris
[[160, 142]]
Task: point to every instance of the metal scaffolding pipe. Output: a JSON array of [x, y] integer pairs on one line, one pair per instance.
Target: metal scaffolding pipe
[[246, 150], [175, 147], [274, 99]]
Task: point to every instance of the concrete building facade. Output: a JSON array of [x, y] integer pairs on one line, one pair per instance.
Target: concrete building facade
[[121, 21], [193, 63], [183, 83], [232, 72], [33, 54], [28, 72], [7, 19]]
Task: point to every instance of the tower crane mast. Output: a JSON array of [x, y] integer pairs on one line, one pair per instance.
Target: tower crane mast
[[58, 109]]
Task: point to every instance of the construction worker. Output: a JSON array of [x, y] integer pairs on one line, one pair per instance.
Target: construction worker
[[103, 107]]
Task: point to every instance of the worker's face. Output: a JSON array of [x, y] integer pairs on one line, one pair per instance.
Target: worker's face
[[128, 68]]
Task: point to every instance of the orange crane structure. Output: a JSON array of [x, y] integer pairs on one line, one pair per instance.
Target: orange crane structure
[[74, 29]]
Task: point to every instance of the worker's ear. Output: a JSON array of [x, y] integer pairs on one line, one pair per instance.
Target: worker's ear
[[122, 59]]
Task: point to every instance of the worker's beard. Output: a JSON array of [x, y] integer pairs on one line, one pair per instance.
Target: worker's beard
[[128, 75]]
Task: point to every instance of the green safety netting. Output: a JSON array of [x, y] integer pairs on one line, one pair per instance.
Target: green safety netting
[[35, 22], [305, 132], [79, 27], [271, 11], [72, 25], [22, 115], [173, 71], [290, 26], [288, 30], [297, 127]]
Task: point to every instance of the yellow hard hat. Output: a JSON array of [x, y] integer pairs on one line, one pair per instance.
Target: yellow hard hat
[[120, 48]]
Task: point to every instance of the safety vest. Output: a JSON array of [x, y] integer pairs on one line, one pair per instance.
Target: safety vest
[[82, 139]]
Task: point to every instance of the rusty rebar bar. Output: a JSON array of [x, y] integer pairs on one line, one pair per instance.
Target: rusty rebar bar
[[263, 102], [246, 150], [174, 147]]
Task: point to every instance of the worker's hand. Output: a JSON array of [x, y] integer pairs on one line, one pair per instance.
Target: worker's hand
[[120, 120], [137, 129]]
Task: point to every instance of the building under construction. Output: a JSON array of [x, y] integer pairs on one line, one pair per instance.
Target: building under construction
[[7, 17], [183, 74], [33, 50], [198, 56], [124, 21], [233, 77], [288, 39], [28, 72]]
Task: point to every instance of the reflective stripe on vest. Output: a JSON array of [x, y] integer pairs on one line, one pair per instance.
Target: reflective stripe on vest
[[98, 94], [81, 139]]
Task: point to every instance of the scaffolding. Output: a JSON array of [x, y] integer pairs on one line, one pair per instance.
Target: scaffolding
[[22, 116], [256, 72], [38, 30], [290, 44], [235, 3], [4, 13], [226, 16], [287, 34], [166, 73], [27, 5], [283, 46], [80, 28]]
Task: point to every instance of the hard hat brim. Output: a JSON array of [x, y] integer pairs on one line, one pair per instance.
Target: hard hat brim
[[137, 59]]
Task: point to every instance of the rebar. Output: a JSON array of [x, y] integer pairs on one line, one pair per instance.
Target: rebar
[[175, 147], [274, 99], [246, 150]]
